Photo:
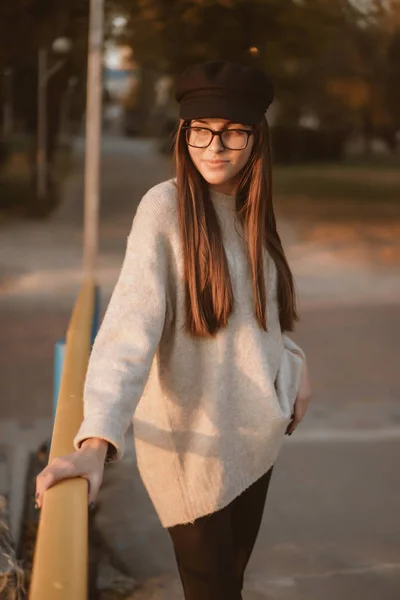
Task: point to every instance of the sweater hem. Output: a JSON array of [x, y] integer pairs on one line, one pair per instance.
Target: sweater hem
[[209, 509]]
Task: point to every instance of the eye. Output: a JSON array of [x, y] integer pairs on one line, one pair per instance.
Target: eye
[[198, 137], [235, 132], [199, 132], [235, 139]]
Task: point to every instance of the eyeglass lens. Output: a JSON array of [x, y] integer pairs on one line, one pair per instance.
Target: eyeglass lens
[[232, 139]]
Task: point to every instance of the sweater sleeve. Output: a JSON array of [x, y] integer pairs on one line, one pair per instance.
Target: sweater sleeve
[[127, 340]]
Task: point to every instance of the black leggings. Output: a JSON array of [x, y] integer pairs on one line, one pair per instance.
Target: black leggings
[[212, 553]]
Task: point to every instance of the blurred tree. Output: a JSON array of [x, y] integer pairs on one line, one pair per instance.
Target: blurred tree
[[392, 89], [25, 26], [328, 58], [175, 34], [334, 63]]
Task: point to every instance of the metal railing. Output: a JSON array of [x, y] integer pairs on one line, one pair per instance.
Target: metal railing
[[60, 568]]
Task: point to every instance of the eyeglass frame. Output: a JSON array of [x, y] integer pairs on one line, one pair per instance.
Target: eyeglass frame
[[219, 133]]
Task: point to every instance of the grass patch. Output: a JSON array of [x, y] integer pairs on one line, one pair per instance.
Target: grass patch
[[351, 182]]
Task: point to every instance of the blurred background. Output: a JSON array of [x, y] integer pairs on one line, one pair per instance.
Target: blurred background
[[331, 527]]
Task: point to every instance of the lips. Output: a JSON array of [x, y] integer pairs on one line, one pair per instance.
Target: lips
[[215, 163]]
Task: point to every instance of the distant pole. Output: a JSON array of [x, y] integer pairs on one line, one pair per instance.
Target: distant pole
[[41, 124], [93, 138], [8, 108], [60, 45]]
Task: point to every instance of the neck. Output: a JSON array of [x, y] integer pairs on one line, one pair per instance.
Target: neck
[[228, 188], [222, 189]]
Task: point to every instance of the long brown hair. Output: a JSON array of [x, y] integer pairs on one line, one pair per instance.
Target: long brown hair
[[208, 288]]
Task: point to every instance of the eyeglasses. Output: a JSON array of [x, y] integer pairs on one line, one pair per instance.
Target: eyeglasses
[[231, 139]]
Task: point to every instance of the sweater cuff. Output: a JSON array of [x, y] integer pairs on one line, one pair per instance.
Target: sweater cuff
[[101, 427]]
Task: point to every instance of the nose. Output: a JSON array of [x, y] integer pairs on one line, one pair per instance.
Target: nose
[[216, 145]]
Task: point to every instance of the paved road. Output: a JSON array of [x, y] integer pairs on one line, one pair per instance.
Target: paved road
[[331, 528]]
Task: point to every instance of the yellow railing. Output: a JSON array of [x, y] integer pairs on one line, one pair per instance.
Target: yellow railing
[[60, 569]]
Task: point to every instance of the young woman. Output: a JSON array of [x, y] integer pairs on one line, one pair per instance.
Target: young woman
[[192, 344]]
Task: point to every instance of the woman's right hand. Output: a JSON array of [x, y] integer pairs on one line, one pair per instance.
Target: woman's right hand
[[87, 462]]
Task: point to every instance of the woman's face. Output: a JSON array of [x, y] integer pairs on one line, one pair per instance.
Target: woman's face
[[219, 166]]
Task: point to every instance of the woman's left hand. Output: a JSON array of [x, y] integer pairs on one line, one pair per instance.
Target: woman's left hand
[[302, 402]]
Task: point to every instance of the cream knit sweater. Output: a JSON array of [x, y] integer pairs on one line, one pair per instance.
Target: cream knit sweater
[[207, 420]]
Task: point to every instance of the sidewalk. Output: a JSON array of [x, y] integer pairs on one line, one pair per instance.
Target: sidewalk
[[330, 528]]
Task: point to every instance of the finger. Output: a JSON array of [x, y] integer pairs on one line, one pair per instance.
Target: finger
[[292, 426], [94, 483], [291, 429], [58, 469], [292, 417], [91, 494]]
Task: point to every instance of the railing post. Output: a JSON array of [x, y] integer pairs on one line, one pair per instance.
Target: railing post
[[59, 357]]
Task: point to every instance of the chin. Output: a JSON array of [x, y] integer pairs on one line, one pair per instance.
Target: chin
[[216, 178]]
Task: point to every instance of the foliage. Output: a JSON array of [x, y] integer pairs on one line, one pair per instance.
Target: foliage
[[27, 24], [328, 58]]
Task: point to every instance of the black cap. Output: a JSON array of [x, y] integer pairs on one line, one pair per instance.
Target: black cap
[[225, 90]]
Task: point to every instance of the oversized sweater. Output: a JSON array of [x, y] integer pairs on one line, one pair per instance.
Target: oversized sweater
[[207, 419]]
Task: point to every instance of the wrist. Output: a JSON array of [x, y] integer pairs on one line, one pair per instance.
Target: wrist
[[98, 444]]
